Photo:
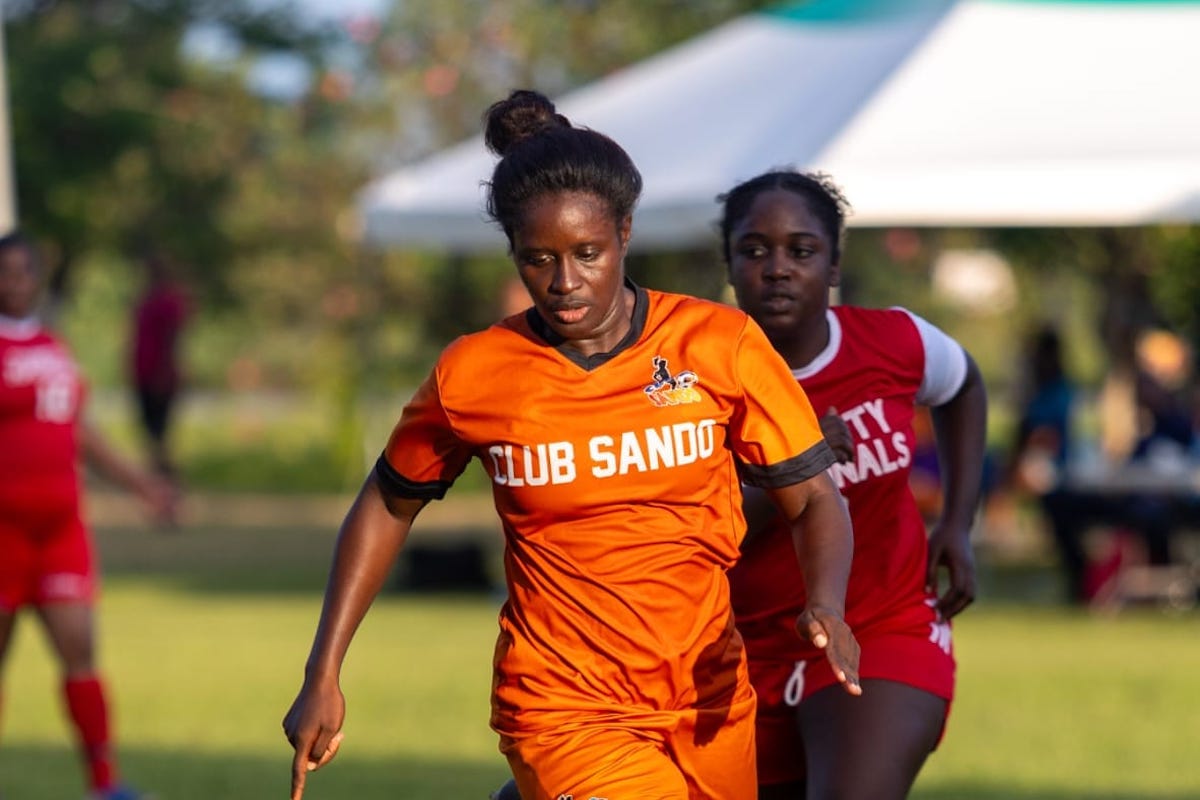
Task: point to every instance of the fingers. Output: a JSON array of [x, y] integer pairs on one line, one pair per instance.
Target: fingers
[[834, 429], [931, 566], [299, 773], [956, 598], [845, 669], [327, 752], [812, 629], [849, 681], [315, 747], [953, 602], [832, 635], [843, 660], [961, 590]]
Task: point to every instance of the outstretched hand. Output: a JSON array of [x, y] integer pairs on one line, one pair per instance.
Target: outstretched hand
[[161, 497], [951, 549], [313, 726], [838, 435], [827, 630]]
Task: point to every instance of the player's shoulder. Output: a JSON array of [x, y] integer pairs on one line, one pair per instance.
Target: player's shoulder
[[711, 316], [892, 315], [470, 346], [487, 349], [888, 325]]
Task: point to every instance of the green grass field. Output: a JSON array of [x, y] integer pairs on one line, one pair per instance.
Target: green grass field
[[204, 633]]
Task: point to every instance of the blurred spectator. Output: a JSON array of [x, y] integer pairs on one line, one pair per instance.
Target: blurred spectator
[[1141, 521], [1043, 441], [1164, 445], [158, 322], [1164, 425], [1042, 447]]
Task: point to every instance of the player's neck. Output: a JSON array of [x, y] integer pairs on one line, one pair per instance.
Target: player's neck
[[802, 346]]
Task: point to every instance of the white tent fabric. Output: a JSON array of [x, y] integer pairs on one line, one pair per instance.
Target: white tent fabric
[[927, 112]]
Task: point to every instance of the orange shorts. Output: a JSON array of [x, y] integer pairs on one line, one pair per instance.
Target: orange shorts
[[687, 755], [47, 562], [915, 660]]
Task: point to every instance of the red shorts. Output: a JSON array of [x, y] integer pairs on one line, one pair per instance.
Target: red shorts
[[667, 755], [45, 560], [921, 658]]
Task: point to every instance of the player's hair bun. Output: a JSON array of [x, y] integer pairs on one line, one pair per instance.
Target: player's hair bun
[[522, 114]]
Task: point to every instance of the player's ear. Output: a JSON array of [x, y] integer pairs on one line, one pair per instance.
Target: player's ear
[[835, 274], [624, 232]]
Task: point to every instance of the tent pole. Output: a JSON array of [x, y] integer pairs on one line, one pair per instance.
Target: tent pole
[[8, 210]]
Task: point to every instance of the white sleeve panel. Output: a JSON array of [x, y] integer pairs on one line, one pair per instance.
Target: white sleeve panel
[[945, 364]]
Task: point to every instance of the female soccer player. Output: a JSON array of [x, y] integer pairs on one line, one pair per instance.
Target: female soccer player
[[782, 238], [615, 423], [46, 554]]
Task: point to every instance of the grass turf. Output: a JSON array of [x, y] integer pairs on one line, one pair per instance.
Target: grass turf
[[203, 635]]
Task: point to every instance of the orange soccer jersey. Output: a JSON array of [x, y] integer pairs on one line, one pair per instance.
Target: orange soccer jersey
[[618, 485]]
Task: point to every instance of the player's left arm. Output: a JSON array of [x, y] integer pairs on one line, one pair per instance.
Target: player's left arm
[[824, 542], [960, 426], [157, 493]]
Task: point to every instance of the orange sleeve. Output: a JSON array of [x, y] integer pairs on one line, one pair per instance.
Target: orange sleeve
[[423, 455], [775, 433]]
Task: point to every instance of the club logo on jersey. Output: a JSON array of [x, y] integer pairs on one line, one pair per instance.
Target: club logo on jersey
[[672, 390]]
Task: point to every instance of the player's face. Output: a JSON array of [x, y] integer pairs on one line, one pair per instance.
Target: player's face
[[570, 253], [781, 264], [18, 282]]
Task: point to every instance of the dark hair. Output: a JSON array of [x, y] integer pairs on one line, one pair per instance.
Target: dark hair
[[14, 239], [541, 152], [823, 196], [1046, 356]]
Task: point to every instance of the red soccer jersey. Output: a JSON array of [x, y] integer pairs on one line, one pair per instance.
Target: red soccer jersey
[[41, 391], [616, 482], [871, 374]]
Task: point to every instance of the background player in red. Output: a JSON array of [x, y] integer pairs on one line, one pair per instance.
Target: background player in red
[[782, 237], [46, 555], [610, 440], [159, 318]]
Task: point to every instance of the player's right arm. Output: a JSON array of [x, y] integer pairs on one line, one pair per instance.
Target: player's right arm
[[367, 545]]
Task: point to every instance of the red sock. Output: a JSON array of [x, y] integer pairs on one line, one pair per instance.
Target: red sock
[[85, 704]]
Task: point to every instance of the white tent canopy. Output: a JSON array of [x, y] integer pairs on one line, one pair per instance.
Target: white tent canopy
[[927, 112]]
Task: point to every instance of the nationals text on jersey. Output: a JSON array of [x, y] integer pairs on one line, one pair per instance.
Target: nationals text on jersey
[[646, 450], [879, 448]]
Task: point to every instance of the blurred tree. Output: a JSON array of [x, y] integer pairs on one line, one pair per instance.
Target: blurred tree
[[119, 142]]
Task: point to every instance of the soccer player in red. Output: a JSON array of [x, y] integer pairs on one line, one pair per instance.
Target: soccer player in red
[[782, 237], [46, 556], [616, 425]]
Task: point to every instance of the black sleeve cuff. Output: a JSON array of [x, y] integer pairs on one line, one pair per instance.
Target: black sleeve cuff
[[395, 484], [808, 464]]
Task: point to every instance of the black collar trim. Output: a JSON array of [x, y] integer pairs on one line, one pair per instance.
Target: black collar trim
[[641, 310]]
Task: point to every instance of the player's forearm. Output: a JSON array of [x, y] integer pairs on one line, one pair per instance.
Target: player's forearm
[[100, 456], [960, 427], [824, 544], [367, 546]]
